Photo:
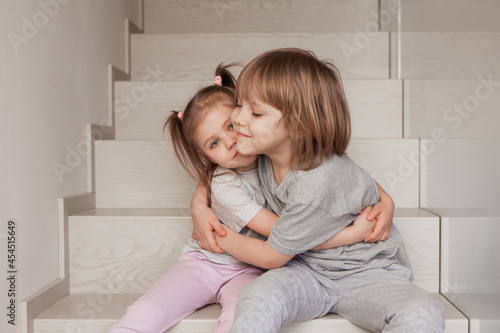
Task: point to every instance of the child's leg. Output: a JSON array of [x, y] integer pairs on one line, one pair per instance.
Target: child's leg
[[384, 300], [228, 296], [187, 286], [279, 296]]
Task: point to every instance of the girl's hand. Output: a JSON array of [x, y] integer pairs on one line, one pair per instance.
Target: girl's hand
[[205, 222], [361, 225], [383, 213]]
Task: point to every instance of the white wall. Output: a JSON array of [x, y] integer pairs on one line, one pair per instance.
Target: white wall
[[53, 58]]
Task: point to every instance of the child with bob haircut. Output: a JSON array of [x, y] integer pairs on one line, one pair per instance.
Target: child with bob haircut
[[292, 109], [204, 142]]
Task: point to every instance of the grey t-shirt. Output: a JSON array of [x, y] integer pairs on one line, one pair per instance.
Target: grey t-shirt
[[315, 205], [236, 199]]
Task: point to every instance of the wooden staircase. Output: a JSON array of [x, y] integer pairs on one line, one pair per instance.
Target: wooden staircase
[[138, 219]]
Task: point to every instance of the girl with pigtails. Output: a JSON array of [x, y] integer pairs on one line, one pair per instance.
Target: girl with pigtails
[[204, 142]]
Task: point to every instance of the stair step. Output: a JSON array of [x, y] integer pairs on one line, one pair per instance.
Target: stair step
[[458, 173], [450, 55], [461, 108], [140, 110], [96, 313], [188, 16], [145, 174], [126, 250], [195, 56], [444, 15], [464, 249]]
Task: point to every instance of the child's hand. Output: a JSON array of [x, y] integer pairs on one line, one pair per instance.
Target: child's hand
[[383, 213], [205, 223], [362, 225]]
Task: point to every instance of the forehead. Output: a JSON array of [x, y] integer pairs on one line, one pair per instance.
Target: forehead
[[214, 120]]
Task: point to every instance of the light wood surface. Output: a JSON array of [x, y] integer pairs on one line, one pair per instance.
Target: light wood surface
[[464, 109], [460, 173], [125, 251], [145, 174], [375, 105], [195, 56], [186, 16], [98, 312]]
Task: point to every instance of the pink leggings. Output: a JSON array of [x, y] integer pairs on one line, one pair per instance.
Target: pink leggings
[[191, 283]]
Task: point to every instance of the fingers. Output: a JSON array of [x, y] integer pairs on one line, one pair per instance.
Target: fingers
[[376, 210]]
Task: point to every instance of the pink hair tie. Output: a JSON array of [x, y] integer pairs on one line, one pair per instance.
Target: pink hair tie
[[218, 80], [180, 114]]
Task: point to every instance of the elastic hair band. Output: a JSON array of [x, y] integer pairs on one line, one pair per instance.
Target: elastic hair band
[[218, 80], [180, 114]]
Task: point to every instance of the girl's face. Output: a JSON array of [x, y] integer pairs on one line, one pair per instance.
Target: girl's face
[[260, 129], [216, 138]]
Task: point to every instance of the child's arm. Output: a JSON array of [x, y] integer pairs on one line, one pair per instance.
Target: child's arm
[[205, 222], [360, 228], [383, 213]]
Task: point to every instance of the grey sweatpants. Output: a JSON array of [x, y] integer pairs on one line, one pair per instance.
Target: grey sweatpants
[[380, 300]]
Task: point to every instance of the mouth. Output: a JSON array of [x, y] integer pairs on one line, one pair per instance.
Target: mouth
[[237, 154], [241, 135]]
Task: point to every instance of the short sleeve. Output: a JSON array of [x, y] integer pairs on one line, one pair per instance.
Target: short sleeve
[[233, 201]]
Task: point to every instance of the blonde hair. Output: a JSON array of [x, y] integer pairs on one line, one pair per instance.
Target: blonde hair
[[310, 95], [182, 125]]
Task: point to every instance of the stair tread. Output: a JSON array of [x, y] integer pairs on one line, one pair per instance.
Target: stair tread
[[106, 309], [405, 213]]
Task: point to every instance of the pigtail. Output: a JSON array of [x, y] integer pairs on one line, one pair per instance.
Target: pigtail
[[228, 79]]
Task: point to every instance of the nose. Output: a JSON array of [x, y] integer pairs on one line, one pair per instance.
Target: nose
[[230, 140], [237, 117]]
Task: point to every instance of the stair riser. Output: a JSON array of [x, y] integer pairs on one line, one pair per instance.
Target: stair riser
[[135, 174], [195, 56], [375, 105], [126, 255], [181, 16]]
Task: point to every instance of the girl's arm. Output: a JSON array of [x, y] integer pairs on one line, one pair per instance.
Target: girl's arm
[[205, 222], [383, 213], [252, 250], [355, 233]]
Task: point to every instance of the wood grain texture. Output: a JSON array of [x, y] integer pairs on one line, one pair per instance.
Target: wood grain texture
[[460, 173], [65, 207], [124, 254], [145, 174], [125, 251], [140, 174], [195, 56], [188, 16], [458, 55], [110, 309], [375, 105], [393, 163], [442, 15], [462, 109]]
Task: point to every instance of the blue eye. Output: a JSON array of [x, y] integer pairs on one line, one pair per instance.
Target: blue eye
[[231, 127], [214, 143]]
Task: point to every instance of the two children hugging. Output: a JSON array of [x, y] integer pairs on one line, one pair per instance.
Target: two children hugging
[[291, 110]]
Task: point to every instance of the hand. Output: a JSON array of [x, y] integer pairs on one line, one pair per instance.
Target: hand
[[383, 213], [205, 223], [362, 225]]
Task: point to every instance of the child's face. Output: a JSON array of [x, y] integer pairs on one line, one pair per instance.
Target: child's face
[[260, 129], [216, 138]]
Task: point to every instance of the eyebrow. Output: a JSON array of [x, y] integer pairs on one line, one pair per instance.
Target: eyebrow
[[210, 138]]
